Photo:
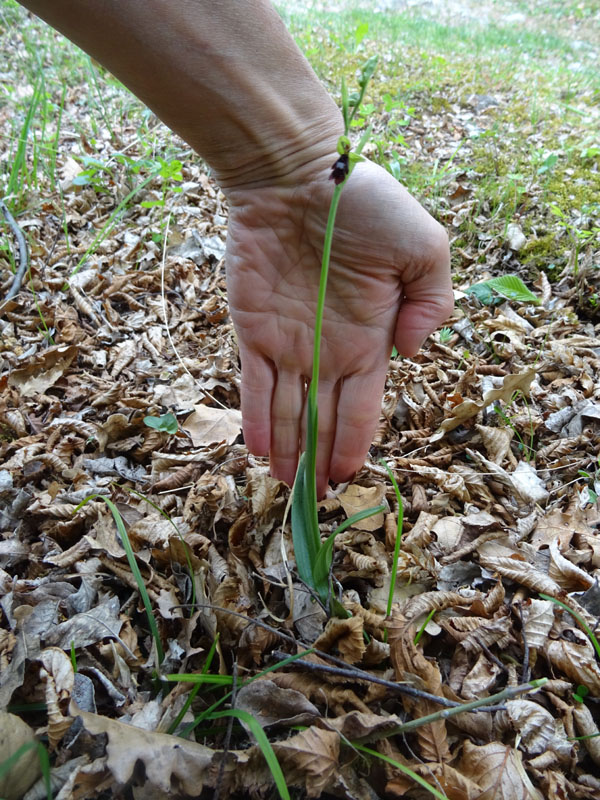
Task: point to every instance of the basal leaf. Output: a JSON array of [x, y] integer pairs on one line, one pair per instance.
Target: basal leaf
[[306, 540]]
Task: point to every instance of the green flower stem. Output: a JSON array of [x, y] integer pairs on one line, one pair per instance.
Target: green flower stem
[[312, 428]]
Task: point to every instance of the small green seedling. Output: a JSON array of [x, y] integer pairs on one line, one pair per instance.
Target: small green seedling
[[593, 479], [446, 335], [166, 423], [581, 693], [313, 558]]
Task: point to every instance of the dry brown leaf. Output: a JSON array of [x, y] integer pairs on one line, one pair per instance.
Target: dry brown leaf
[[335, 698], [469, 408], [14, 733], [586, 726], [499, 770], [360, 498], [496, 441], [43, 371], [271, 705], [538, 619], [164, 757], [521, 572], [576, 658], [446, 481], [568, 575], [538, 730], [345, 634], [207, 425], [57, 674], [408, 660], [310, 757]]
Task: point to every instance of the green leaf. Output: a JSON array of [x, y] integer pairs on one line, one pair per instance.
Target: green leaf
[[263, 743], [167, 423], [512, 287], [361, 32], [324, 557], [509, 286], [306, 540]]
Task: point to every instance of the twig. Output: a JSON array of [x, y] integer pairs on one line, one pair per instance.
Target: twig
[[526, 665], [227, 740], [447, 713], [361, 675], [23, 253], [341, 667]]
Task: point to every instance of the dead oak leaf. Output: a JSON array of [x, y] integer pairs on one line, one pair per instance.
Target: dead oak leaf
[[499, 770]]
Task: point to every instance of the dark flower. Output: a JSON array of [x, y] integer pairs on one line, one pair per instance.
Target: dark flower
[[339, 170]]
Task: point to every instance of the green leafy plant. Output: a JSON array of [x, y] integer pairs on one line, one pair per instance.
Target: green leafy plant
[[313, 558], [510, 287], [446, 335], [166, 423]]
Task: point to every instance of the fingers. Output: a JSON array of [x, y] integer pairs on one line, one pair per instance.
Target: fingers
[[428, 299], [358, 413], [256, 393], [286, 422], [328, 407]]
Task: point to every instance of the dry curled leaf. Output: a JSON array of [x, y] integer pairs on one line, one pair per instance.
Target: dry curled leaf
[[347, 635], [499, 770], [469, 408]]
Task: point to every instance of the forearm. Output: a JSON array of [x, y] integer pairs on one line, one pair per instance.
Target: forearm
[[226, 76]]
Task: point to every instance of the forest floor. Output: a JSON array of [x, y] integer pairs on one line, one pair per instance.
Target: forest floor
[[139, 681]]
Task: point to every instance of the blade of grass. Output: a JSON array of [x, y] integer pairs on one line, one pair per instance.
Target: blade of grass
[[263, 743], [186, 548], [398, 542], [404, 769], [134, 569], [201, 717], [7, 765], [194, 691]]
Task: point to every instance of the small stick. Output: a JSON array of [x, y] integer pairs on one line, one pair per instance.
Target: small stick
[[361, 675], [341, 667], [526, 664], [446, 713], [23, 254]]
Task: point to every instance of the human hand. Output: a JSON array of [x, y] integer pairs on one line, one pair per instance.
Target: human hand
[[389, 282]]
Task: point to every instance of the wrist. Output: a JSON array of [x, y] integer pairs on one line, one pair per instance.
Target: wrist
[[285, 160]]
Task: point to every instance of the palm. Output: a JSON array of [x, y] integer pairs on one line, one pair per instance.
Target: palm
[[387, 252]]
